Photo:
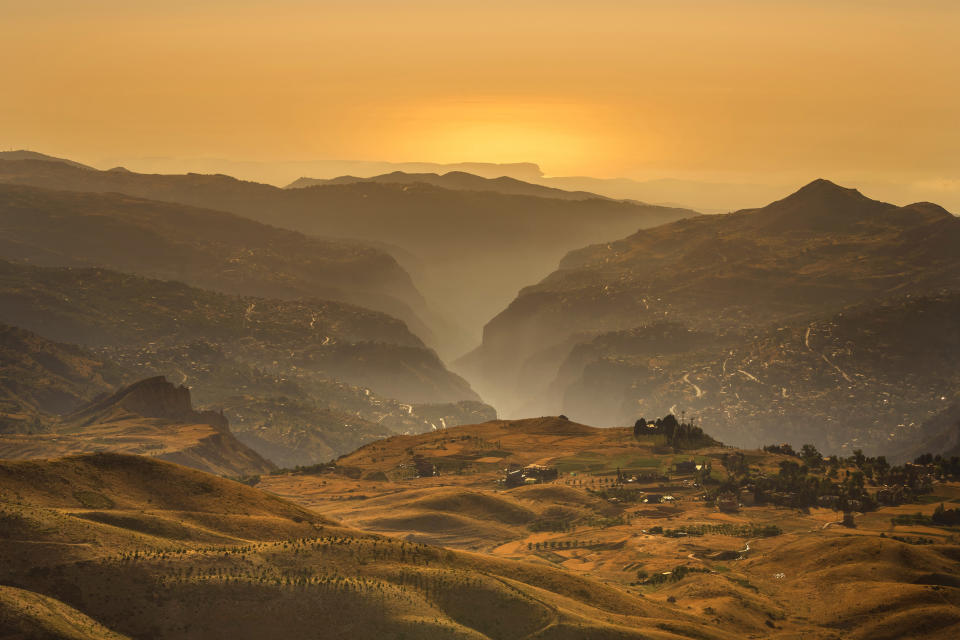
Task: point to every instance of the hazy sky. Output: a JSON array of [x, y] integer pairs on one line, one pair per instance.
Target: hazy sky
[[698, 88]]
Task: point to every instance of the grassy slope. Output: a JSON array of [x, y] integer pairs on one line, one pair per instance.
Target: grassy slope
[[195, 556], [149, 548], [24, 614], [814, 580]]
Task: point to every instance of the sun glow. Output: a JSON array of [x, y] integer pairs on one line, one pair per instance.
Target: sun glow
[[509, 131], [639, 89]]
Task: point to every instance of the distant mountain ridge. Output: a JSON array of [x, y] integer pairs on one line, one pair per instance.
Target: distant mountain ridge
[[23, 154], [203, 247], [457, 180]]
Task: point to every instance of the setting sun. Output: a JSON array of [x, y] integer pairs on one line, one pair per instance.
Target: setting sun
[[508, 131]]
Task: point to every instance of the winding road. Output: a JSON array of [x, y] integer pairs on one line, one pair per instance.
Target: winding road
[[698, 390]]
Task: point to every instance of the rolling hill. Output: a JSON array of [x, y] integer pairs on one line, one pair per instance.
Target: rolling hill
[[91, 536], [804, 257], [453, 233], [623, 512], [132, 546]]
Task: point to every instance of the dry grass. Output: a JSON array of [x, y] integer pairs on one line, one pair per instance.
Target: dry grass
[[193, 556]]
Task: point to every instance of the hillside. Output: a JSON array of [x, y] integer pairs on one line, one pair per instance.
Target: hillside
[[23, 154], [228, 561], [39, 377], [151, 417], [454, 234], [865, 378], [800, 258], [939, 434], [289, 422], [322, 371], [623, 512], [202, 247], [24, 614], [138, 547], [106, 309]]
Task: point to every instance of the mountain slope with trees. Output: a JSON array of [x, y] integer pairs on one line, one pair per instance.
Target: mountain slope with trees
[[806, 256], [316, 378], [202, 247]]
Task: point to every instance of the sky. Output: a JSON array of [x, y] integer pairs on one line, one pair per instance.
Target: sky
[[723, 90]]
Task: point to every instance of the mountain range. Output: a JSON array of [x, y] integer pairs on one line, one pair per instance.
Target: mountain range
[[456, 180], [799, 259], [452, 234], [161, 334], [866, 378], [290, 422]]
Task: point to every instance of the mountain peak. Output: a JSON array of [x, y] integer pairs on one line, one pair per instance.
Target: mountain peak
[[821, 206], [822, 189], [24, 154]]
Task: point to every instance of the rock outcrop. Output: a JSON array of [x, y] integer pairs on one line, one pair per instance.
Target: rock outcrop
[[151, 398], [152, 417]]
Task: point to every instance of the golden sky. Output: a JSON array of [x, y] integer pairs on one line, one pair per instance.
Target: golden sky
[[606, 88]]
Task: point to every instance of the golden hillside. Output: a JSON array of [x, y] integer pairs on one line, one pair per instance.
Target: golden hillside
[[151, 417], [193, 556], [757, 570]]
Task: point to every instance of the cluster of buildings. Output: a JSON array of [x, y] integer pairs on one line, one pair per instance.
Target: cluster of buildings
[[530, 474]]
